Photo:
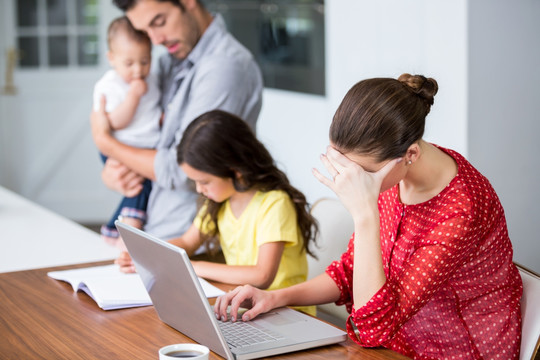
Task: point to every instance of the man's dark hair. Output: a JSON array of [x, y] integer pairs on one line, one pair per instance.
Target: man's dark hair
[[126, 5]]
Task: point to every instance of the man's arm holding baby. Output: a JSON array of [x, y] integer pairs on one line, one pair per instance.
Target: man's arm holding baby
[[138, 160], [118, 177]]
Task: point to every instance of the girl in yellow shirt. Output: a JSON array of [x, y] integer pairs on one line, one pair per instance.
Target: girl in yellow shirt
[[260, 221]]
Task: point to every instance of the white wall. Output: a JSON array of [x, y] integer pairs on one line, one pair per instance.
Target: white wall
[[373, 39], [4, 149], [484, 55], [504, 108], [47, 153]]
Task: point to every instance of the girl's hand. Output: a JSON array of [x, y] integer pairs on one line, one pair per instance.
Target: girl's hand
[[357, 189], [256, 300], [126, 264]]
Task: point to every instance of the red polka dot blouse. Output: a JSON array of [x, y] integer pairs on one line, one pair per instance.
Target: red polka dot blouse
[[452, 291]]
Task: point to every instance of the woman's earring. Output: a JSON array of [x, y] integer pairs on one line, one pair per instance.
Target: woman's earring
[[409, 162]]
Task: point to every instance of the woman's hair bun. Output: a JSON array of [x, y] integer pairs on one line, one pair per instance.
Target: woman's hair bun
[[425, 88]]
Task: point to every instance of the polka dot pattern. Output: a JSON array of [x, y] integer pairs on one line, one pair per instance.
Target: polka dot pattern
[[452, 291]]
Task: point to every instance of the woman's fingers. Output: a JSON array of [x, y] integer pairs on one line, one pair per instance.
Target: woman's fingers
[[243, 296], [339, 161], [223, 302], [335, 163], [252, 313], [330, 166], [323, 179], [237, 301]]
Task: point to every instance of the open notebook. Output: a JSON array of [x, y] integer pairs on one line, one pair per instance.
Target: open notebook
[[112, 289]]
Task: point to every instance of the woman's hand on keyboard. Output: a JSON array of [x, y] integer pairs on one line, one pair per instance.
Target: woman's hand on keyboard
[[255, 300]]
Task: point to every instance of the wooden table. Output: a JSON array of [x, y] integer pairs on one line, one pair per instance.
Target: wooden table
[[43, 318]]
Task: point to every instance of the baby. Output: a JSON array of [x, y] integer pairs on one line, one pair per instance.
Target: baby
[[133, 106]]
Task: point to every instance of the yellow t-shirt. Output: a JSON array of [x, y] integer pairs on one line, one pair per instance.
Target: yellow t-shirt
[[269, 217]]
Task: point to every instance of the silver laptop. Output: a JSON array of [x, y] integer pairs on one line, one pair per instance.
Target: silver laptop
[[180, 302]]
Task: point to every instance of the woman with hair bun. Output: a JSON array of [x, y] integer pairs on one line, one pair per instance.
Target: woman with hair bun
[[428, 271]]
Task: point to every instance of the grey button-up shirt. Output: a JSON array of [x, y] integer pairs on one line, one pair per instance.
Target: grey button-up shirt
[[219, 73]]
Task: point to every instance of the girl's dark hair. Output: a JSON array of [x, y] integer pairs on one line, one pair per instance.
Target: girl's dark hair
[[382, 117], [223, 145]]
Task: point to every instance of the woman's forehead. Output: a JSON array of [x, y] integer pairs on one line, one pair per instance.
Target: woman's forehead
[[368, 162]]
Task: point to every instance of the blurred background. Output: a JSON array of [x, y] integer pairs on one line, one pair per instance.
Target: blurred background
[[483, 53]]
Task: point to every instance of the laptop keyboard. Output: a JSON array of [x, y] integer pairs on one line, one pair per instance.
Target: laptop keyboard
[[239, 334]]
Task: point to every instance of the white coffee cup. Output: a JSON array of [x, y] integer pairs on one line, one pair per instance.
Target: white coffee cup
[[184, 351]]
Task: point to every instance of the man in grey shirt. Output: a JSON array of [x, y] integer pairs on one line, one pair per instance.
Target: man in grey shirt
[[206, 69]]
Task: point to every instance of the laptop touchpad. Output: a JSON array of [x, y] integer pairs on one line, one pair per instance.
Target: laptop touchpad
[[276, 318]]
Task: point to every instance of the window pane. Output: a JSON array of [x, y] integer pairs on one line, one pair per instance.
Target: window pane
[[56, 12], [29, 52], [87, 49], [27, 12], [87, 12], [58, 50], [286, 38]]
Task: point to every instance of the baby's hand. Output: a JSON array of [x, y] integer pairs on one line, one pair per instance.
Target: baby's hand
[[138, 87]]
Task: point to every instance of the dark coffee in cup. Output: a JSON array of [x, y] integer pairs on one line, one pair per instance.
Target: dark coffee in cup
[[184, 353]]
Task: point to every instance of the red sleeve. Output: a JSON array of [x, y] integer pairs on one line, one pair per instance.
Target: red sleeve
[[444, 249], [341, 272]]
